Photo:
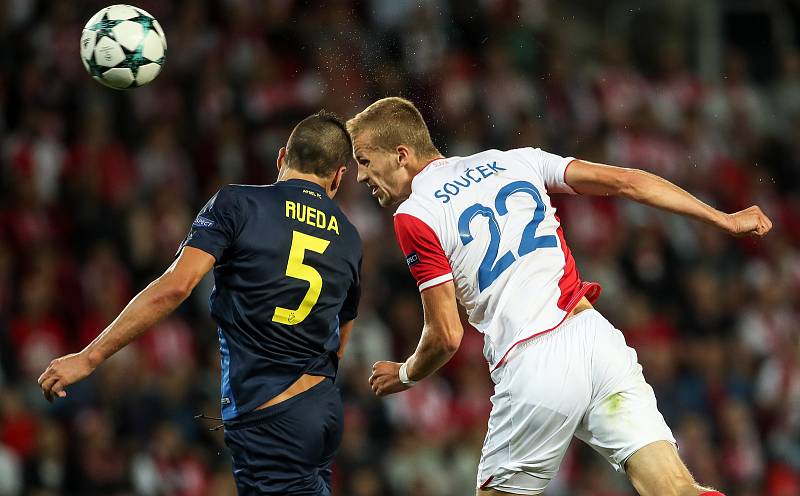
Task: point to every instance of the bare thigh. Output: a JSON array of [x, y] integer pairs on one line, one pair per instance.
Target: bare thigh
[[657, 470]]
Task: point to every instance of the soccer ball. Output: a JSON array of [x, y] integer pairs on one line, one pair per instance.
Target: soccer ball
[[123, 47]]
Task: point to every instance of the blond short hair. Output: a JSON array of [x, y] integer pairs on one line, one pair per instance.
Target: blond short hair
[[391, 122]]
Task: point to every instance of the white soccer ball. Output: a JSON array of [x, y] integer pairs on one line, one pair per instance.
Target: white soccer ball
[[123, 47]]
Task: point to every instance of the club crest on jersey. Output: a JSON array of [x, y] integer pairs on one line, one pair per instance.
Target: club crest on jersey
[[412, 259], [201, 221], [468, 178]]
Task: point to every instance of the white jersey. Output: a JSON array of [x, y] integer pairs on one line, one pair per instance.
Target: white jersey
[[486, 223]]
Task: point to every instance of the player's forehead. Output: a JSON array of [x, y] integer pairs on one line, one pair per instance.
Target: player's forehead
[[363, 145]]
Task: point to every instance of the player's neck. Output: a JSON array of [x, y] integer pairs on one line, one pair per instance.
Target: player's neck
[[414, 168], [287, 173], [424, 161]]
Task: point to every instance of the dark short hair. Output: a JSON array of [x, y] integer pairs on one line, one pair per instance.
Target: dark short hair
[[319, 145]]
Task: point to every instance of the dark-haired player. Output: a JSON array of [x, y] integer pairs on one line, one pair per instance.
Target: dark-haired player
[[286, 266]]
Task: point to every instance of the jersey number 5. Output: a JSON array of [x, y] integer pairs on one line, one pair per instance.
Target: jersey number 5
[[298, 270], [490, 270]]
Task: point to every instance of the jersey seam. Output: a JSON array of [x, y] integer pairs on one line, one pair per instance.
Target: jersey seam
[[438, 239], [570, 306], [421, 289]]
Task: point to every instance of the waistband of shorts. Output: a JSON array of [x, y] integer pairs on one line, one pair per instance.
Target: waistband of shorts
[[537, 338], [255, 417], [578, 317]]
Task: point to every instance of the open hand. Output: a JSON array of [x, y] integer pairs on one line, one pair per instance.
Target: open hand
[[748, 222], [385, 378], [62, 372]]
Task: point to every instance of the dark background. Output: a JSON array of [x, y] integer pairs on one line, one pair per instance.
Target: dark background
[[98, 187]]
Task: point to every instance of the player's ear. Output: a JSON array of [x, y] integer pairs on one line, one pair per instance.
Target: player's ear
[[402, 154], [281, 158], [336, 181]]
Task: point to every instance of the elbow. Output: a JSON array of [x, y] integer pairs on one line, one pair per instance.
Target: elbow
[[182, 290], [176, 291], [451, 347], [450, 342], [181, 293]]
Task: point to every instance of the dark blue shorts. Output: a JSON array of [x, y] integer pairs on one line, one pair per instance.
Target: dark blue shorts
[[287, 449]]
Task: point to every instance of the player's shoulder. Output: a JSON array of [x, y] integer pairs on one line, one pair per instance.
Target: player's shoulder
[[420, 207], [444, 167], [234, 192], [261, 194], [347, 225], [524, 154], [467, 168]]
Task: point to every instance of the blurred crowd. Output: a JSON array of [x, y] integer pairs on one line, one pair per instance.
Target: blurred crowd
[[97, 189]]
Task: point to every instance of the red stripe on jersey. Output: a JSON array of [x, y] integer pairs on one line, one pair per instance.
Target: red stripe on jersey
[[584, 290], [570, 282], [572, 290], [421, 247]]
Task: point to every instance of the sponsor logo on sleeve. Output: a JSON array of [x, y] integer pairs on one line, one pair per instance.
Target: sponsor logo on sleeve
[[201, 221], [412, 259]]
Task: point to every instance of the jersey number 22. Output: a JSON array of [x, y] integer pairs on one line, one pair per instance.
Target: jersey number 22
[[490, 270]]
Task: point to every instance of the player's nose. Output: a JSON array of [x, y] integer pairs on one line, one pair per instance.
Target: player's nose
[[361, 175]]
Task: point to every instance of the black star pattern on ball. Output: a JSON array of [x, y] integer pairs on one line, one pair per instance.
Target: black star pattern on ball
[[133, 58]]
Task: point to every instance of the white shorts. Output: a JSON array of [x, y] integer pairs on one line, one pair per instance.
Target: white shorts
[[580, 379]]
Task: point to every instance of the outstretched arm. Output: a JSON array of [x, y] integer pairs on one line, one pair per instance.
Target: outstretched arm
[[154, 303], [441, 337], [588, 178]]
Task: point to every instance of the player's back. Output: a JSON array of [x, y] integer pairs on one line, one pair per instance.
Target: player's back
[[289, 271], [492, 216]]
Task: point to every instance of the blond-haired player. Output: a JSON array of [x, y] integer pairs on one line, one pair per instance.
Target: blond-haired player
[[481, 230]]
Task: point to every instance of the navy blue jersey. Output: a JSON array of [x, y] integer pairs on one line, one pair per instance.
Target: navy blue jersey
[[286, 275]]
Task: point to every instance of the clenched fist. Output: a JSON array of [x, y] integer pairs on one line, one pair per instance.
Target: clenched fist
[[385, 378], [748, 222]]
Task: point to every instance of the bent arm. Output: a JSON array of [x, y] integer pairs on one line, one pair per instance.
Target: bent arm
[[588, 178], [441, 335], [152, 304]]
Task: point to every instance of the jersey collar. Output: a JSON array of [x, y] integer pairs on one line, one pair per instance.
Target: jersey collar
[[430, 162], [302, 183]]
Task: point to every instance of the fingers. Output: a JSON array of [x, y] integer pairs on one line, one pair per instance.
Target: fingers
[[58, 389], [48, 384], [52, 385], [751, 221], [766, 223], [384, 374], [763, 224], [47, 372], [376, 383], [47, 387], [379, 384]]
